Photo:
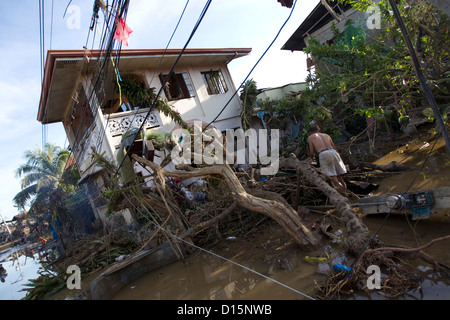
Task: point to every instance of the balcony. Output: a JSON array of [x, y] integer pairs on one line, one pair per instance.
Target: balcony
[[119, 123]]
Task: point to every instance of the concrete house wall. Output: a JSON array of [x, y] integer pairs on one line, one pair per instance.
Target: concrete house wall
[[69, 96]]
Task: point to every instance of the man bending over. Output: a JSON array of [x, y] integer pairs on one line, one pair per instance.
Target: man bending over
[[331, 163]]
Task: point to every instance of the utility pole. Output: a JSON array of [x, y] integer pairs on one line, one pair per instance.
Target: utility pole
[[422, 79]]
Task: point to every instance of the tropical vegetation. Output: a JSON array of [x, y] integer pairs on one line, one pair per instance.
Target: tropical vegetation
[[49, 185], [369, 73]]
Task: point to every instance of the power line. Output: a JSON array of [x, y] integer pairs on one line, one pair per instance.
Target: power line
[[121, 10], [215, 254], [159, 63], [391, 210], [202, 15], [41, 53], [422, 80], [257, 62], [170, 40]]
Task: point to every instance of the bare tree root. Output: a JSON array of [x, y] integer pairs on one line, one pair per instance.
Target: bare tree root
[[282, 213]]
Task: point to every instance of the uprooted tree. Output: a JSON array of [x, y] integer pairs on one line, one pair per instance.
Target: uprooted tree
[[271, 204], [160, 205]]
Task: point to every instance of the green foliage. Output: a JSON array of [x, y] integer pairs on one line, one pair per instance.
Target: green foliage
[[139, 95], [248, 96], [44, 286], [46, 180], [360, 5], [370, 76], [363, 73]]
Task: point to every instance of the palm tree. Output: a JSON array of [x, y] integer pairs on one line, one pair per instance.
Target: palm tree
[[47, 180], [248, 96]]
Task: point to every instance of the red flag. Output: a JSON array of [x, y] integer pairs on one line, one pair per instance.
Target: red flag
[[122, 32]]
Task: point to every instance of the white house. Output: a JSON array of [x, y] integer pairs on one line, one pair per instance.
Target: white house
[[80, 89], [318, 24]]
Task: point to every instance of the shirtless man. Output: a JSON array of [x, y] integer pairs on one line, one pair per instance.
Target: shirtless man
[[330, 160]]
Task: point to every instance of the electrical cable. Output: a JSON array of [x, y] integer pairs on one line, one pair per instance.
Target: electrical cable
[[202, 15], [102, 68], [170, 40], [391, 210], [257, 62], [215, 254], [41, 55], [99, 145]]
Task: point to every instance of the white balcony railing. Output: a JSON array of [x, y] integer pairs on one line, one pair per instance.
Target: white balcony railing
[[119, 123]]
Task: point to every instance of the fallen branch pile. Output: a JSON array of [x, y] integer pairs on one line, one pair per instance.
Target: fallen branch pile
[[271, 204], [399, 276], [277, 198]]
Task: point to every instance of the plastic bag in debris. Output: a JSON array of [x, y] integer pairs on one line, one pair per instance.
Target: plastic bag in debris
[[188, 194], [122, 257]]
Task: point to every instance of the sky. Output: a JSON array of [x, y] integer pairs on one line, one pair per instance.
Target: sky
[[227, 23]]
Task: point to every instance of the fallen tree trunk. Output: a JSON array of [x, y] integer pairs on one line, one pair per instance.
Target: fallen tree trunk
[[279, 211], [358, 234]]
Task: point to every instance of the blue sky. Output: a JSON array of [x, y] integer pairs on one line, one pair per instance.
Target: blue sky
[[228, 23]]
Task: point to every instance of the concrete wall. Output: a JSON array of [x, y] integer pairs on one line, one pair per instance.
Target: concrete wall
[[282, 92]]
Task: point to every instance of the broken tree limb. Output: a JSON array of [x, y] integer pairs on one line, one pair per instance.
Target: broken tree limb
[[358, 234], [283, 214], [206, 224]]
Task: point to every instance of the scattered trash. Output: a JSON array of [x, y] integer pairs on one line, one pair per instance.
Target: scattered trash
[[199, 196], [340, 267], [188, 194], [196, 191], [122, 257], [425, 145], [231, 238]]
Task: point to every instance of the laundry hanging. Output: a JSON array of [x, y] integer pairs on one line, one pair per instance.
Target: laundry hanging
[[122, 32]]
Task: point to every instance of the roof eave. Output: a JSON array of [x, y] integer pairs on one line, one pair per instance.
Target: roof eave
[[53, 55]]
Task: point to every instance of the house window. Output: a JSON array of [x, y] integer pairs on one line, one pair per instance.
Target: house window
[[215, 82], [178, 86]]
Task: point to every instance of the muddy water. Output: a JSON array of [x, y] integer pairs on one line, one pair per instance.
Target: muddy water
[[208, 276], [270, 254]]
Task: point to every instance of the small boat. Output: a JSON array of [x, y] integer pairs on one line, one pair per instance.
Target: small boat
[[419, 204]]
